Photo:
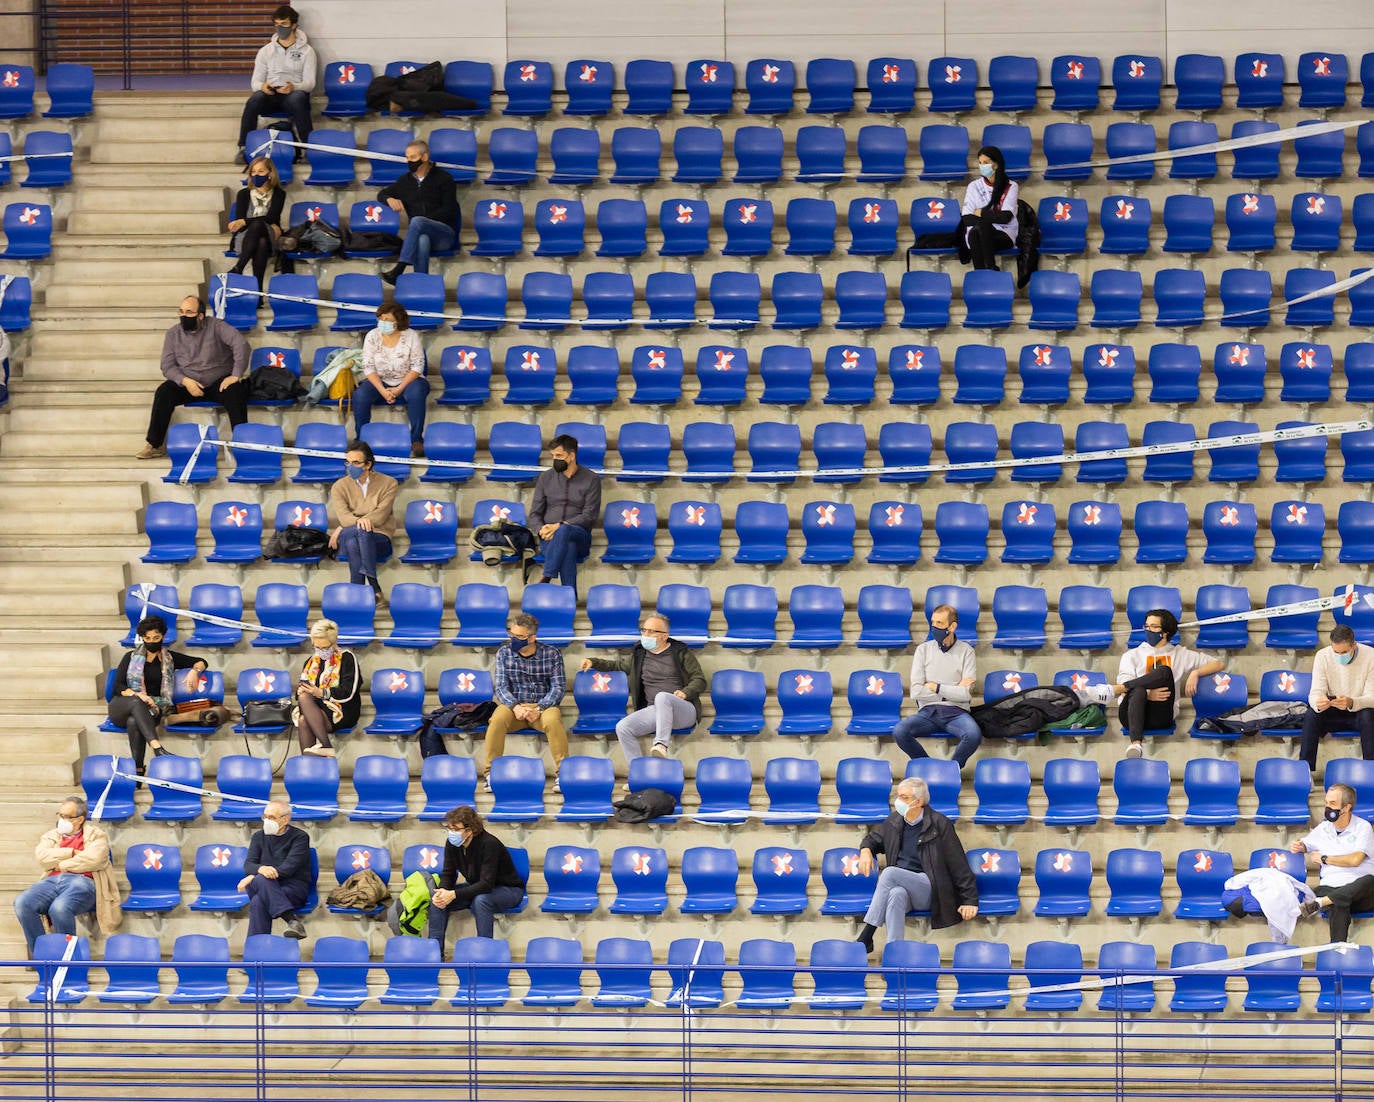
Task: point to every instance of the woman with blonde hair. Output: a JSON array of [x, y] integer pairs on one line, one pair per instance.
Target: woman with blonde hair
[[256, 223], [329, 692]]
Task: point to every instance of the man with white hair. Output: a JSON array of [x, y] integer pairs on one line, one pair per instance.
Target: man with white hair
[[927, 868], [277, 872], [1341, 849]]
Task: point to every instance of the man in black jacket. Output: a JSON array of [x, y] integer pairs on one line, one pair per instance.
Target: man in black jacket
[[926, 867], [277, 872], [666, 684], [428, 196], [492, 883]]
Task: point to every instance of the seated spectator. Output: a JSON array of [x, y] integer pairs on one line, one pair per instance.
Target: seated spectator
[[491, 882], [329, 694], [989, 212], [284, 73], [1153, 675], [4, 369], [1342, 696], [529, 683], [1341, 848], [362, 503], [567, 502], [277, 872], [256, 224], [143, 686], [202, 357], [926, 867], [77, 877], [428, 196], [394, 366], [942, 674], [666, 684]]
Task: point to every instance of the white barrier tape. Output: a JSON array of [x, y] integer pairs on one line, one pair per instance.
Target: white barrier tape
[[1218, 443], [59, 977], [175, 786], [36, 156], [195, 454], [265, 149]]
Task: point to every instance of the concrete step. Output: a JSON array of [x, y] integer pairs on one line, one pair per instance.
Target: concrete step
[[95, 523], [72, 340], [206, 220], [165, 147], [86, 266], [112, 416], [120, 293], [72, 495], [170, 200]]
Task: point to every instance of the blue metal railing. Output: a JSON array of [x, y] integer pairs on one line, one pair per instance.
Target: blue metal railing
[[434, 1049]]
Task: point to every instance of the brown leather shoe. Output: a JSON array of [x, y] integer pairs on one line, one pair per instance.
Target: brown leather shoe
[[417, 450], [150, 452]]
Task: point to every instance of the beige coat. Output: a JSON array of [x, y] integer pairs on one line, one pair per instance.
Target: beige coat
[[93, 858], [347, 503]]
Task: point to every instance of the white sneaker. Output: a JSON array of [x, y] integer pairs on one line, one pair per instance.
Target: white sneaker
[[486, 784], [1135, 750], [658, 750]]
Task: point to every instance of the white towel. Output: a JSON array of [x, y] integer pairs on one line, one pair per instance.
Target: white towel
[[1279, 897]]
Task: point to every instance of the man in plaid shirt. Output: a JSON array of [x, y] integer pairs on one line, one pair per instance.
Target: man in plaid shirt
[[529, 683]]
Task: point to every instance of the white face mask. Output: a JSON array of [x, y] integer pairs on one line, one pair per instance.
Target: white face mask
[[270, 826], [649, 642], [65, 827], [901, 807]]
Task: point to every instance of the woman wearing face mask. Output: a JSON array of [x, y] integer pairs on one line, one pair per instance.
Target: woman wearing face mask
[[989, 212], [394, 365], [329, 692], [256, 224], [143, 686], [491, 882]]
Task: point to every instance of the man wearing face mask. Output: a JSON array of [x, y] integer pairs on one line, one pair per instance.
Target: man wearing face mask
[[362, 504], [77, 878], [491, 882], [276, 872], [283, 75], [428, 196], [926, 867], [1341, 848], [529, 683], [942, 673], [1342, 696], [567, 501], [203, 359], [666, 684], [1153, 675]]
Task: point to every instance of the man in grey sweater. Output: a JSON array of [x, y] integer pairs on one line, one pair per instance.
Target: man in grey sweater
[[202, 358], [567, 502], [942, 674], [1342, 696]]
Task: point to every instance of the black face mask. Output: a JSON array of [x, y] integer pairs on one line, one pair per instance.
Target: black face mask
[[190, 325], [415, 166], [560, 465], [153, 648], [1332, 814], [258, 181]]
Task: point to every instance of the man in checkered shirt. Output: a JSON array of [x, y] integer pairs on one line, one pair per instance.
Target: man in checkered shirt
[[530, 683]]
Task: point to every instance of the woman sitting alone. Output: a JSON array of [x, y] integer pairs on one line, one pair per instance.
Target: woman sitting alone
[[988, 225], [256, 224]]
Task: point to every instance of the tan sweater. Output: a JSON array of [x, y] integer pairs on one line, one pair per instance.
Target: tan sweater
[[348, 504], [93, 858], [1330, 678]]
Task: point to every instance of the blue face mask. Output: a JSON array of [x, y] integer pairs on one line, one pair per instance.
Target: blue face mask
[[386, 327], [1154, 638], [455, 838], [517, 643], [943, 636], [1346, 658], [987, 172], [353, 470]]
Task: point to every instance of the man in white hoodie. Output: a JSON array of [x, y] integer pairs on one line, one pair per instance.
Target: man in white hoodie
[[283, 76], [1342, 696]]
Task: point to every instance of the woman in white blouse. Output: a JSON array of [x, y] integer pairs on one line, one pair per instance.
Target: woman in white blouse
[[394, 363], [989, 212]]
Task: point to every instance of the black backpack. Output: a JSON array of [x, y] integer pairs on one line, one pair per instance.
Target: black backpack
[[506, 540], [646, 804], [296, 543], [1025, 712], [1027, 242], [274, 384]]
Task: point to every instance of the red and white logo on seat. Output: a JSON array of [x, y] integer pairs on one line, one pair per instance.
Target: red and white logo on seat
[[434, 512], [724, 358], [1316, 204], [684, 214], [782, 864], [825, 516], [300, 516], [1230, 516], [264, 681], [872, 212], [850, 359], [849, 864], [219, 856], [1026, 513], [429, 857], [639, 864], [1092, 514], [237, 516], [372, 212], [1307, 357], [601, 682], [803, 682], [407, 69], [1075, 70], [953, 74], [496, 210], [1222, 681], [152, 858], [696, 514], [467, 359], [527, 73], [935, 210], [11, 78], [891, 74], [1249, 204], [894, 516], [914, 356], [629, 518], [1044, 355], [1297, 514], [1078, 682], [1136, 68], [557, 214], [1012, 682], [1063, 861], [991, 862], [748, 212], [396, 682], [1107, 356], [276, 359], [1321, 66], [1203, 862], [1240, 354], [1124, 210], [29, 215], [770, 74], [708, 73], [1063, 212], [874, 685], [1287, 682], [1260, 68], [499, 513], [588, 73], [346, 74], [312, 214], [657, 358], [362, 859], [529, 360], [572, 862], [1277, 860], [466, 682]]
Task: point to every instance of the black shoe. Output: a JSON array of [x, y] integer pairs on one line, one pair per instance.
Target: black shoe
[[389, 278], [295, 928], [159, 751], [379, 598], [1309, 908]]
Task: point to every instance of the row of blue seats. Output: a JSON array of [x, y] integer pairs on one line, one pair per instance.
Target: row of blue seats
[[70, 88], [829, 529], [724, 786], [775, 452], [911, 971], [47, 155], [771, 83], [873, 223], [1181, 298], [513, 154]]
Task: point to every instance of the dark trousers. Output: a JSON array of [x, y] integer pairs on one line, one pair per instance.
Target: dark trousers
[[295, 104], [256, 246], [1358, 896], [1316, 724], [140, 721], [1138, 713], [170, 395], [564, 550], [984, 241], [484, 909], [269, 899], [367, 397]]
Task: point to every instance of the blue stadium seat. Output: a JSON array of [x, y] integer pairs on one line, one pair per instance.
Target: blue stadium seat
[[1057, 966], [589, 85], [1125, 224], [1354, 524], [797, 298], [1116, 298], [840, 449], [1313, 312], [70, 89], [609, 299], [793, 786], [353, 606], [828, 528], [1272, 987], [1064, 878], [1094, 532], [1322, 78], [1240, 370], [1014, 82], [1230, 529], [1086, 612], [1188, 221], [1126, 140], [448, 781], [988, 296], [929, 215], [202, 967], [1063, 227], [191, 462], [640, 875], [630, 527], [891, 85], [685, 224], [903, 446], [623, 225], [1000, 684], [895, 529], [132, 966], [1255, 162], [952, 82], [1320, 156], [1362, 216], [1068, 148], [751, 613], [943, 779], [354, 858], [695, 968], [281, 612], [911, 970], [1015, 144], [722, 372], [774, 451], [1198, 992], [576, 155], [723, 786], [1316, 221], [982, 974], [780, 878], [657, 373], [695, 528], [473, 80], [1054, 298], [872, 226], [1222, 600], [1250, 221], [636, 153], [970, 442], [1142, 792], [432, 528], [1002, 786], [1297, 528], [839, 967], [862, 299], [482, 296], [1071, 787], [513, 153], [48, 158], [179, 804], [1033, 440], [864, 786], [500, 225], [1199, 78], [1179, 294], [758, 155], [601, 700], [769, 83], [455, 151], [1020, 613], [221, 601], [556, 978], [171, 530], [219, 869], [846, 891], [423, 298], [735, 300], [614, 612], [710, 87], [738, 697], [153, 873], [623, 966], [850, 372], [671, 298], [767, 971], [1135, 878], [380, 782], [820, 154], [1161, 531], [805, 697], [482, 611], [1075, 79], [1343, 975], [1028, 530], [415, 614], [1109, 372], [882, 155], [1259, 80], [649, 85], [412, 969], [560, 224], [1096, 436], [688, 608], [710, 452], [944, 152], [698, 151], [1245, 298], [1213, 790], [1119, 959], [529, 88], [875, 701], [926, 300], [885, 613], [517, 785]]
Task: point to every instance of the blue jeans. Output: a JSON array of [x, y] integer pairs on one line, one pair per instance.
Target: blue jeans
[[423, 236], [962, 726], [366, 396], [363, 549], [898, 892], [484, 909], [568, 546], [61, 898]]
